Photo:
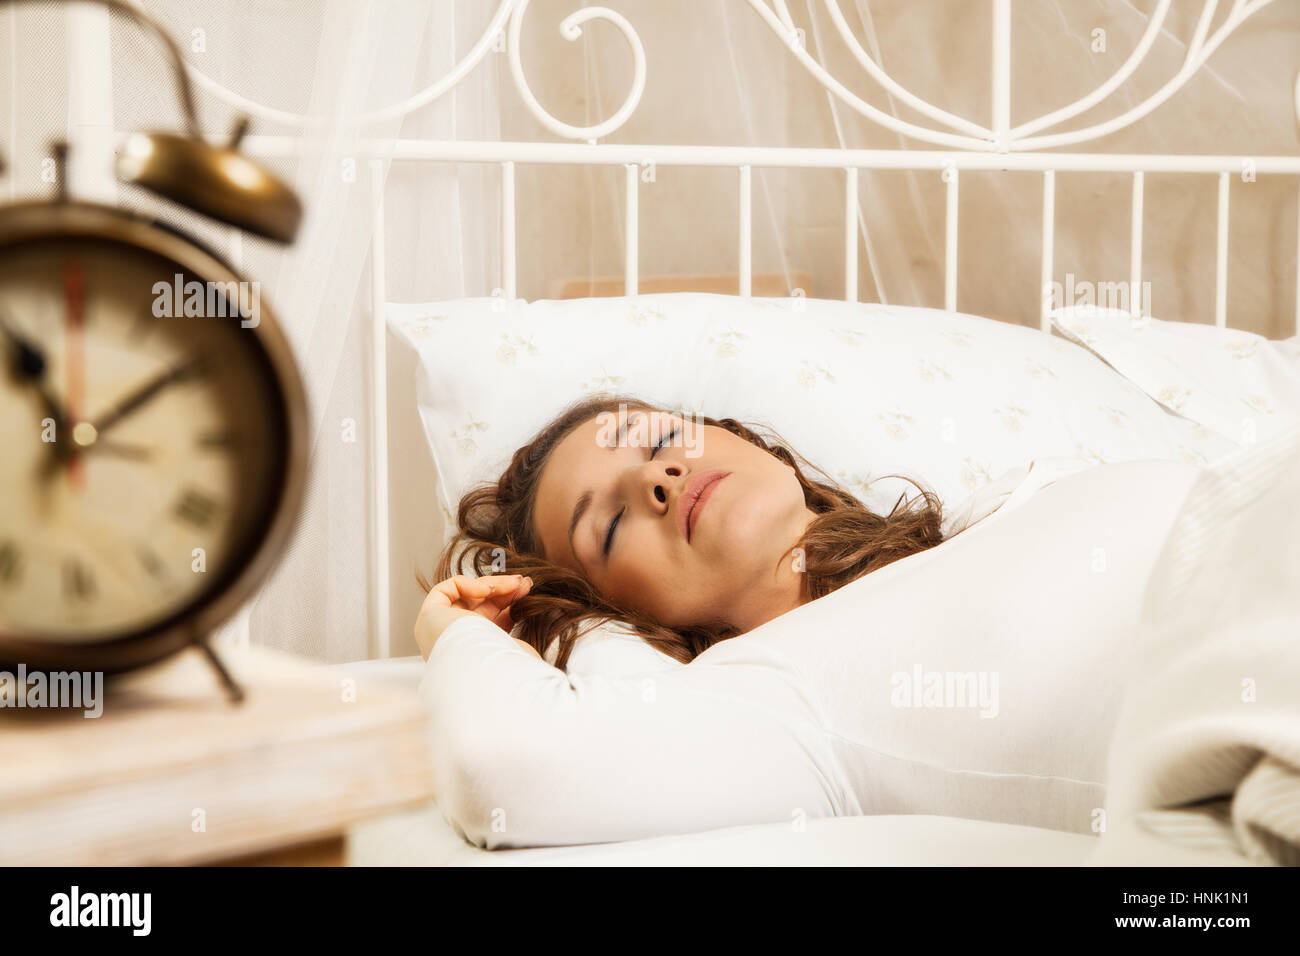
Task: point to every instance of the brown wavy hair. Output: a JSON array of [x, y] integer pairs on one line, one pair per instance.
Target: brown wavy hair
[[497, 535]]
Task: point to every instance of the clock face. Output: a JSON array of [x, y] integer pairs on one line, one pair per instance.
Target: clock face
[[142, 453]]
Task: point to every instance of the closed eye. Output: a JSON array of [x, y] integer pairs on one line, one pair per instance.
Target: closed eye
[[663, 441], [613, 524], [609, 535]]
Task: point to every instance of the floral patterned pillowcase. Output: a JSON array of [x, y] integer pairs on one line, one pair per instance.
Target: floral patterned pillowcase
[[1241, 385], [863, 391]]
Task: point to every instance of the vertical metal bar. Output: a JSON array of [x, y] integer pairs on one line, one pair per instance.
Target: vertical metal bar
[[12, 145], [1002, 73], [379, 582], [1135, 303], [851, 235], [90, 103], [508, 228], [1221, 263], [950, 244], [746, 231], [629, 244], [1049, 239]]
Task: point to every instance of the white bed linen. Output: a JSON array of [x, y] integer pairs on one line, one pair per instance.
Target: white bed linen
[[948, 399], [423, 838], [1205, 762], [1243, 386]]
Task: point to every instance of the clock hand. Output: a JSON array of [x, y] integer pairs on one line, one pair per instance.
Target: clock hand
[[89, 434], [119, 450], [29, 360], [102, 447], [74, 296], [29, 365], [141, 395]]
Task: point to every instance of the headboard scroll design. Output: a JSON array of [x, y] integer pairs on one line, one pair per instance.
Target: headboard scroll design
[[999, 136], [504, 27]]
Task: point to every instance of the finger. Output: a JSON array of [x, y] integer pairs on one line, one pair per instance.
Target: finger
[[470, 591], [451, 587], [501, 590], [497, 610], [503, 597], [452, 592], [515, 585], [491, 607], [505, 583], [440, 595]]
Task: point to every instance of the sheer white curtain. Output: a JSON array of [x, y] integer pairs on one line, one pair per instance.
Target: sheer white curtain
[[367, 57]]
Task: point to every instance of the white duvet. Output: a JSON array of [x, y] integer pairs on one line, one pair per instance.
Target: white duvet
[[1205, 763]]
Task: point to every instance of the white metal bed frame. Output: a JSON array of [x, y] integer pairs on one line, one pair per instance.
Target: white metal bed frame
[[968, 146]]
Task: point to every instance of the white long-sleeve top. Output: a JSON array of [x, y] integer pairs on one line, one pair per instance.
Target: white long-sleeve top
[[526, 754], [630, 744]]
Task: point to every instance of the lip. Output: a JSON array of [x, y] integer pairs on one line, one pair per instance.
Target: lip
[[694, 497]]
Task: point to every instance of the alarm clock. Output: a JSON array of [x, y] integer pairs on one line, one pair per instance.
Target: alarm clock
[[152, 418]]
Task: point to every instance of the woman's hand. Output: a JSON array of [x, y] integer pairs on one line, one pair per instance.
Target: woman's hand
[[489, 596]]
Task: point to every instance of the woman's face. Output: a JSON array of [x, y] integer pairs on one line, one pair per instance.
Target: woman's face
[[684, 521]]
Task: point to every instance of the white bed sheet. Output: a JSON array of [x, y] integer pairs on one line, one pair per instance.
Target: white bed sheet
[[423, 838]]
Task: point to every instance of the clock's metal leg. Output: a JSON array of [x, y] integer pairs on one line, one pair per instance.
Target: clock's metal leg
[[233, 690]]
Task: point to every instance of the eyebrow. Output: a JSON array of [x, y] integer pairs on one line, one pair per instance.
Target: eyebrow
[[584, 500]]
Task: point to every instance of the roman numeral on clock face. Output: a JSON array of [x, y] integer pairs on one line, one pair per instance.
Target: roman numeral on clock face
[[10, 563], [196, 508], [216, 441], [78, 580], [150, 561]]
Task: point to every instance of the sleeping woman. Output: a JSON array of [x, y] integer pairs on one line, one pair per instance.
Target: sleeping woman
[[789, 638], [690, 533]]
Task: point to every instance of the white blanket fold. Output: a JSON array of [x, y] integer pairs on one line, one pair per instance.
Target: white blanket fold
[[1205, 762]]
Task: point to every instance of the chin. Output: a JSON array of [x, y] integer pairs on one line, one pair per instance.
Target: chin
[[754, 524]]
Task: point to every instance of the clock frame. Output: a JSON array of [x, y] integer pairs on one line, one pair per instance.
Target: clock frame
[[247, 566]]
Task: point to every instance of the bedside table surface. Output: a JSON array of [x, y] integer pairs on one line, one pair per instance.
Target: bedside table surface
[[173, 772]]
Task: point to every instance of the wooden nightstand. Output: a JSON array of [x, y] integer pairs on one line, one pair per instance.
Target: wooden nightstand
[[173, 773]]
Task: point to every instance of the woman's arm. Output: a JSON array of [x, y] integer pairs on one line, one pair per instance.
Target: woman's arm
[[526, 755]]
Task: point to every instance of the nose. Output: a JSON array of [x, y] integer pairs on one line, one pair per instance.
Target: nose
[[658, 479]]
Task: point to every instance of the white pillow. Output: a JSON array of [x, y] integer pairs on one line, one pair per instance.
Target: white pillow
[[1242, 385], [861, 390], [812, 714]]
